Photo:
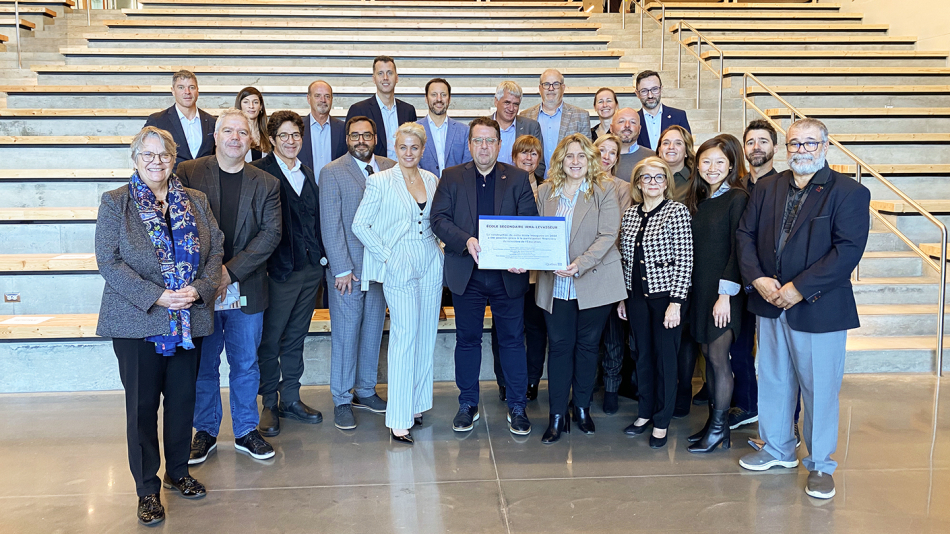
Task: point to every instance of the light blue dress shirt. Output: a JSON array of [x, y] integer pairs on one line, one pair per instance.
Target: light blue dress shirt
[[653, 125], [550, 128], [633, 148], [320, 144], [564, 286], [507, 142], [192, 130], [391, 123], [438, 138]]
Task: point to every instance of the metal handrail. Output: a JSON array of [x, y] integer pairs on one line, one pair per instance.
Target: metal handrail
[[699, 65], [861, 167], [16, 32], [641, 5]]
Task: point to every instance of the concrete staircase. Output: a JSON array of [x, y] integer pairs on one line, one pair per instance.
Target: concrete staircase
[[67, 117]]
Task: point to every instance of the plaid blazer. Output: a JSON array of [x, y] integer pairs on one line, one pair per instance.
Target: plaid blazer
[[573, 119], [667, 250]]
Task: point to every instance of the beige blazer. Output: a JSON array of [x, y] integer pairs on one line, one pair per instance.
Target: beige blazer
[[592, 247]]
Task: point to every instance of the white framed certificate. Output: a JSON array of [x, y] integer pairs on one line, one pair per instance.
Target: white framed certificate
[[531, 243]]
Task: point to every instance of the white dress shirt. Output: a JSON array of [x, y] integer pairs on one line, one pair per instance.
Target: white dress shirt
[[192, 130], [653, 125], [295, 176]]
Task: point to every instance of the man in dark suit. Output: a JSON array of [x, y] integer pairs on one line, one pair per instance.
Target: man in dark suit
[[191, 128], [246, 203], [654, 116], [323, 136], [387, 111], [446, 138], [484, 187], [295, 271], [507, 104], [803, 233]]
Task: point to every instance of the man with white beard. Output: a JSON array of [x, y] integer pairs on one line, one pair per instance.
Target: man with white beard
[[801, 236]]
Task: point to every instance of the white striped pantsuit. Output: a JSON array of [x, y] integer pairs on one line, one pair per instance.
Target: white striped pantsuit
[[413, 289]]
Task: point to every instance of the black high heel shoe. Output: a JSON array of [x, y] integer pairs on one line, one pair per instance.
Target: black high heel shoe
[[407, 439], [583, 419], [417, 421], [658, 443], [699, 435], [718, 433], [557, 423], [634, 430]]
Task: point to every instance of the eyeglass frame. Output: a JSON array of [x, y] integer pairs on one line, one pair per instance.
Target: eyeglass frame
[[788, 146], [652, 90], [164, 157], [490, 141], [552, 85], [295, 135], [356, 136], [658, 179]]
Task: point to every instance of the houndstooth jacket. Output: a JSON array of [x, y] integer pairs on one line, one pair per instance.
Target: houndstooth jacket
[[667, 250]]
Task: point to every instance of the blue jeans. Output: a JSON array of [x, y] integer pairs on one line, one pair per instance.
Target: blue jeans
[[240, 333]]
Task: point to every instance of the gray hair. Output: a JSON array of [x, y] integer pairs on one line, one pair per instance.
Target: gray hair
[[184, 75], [150, 131], [508, 86], [228, 113], [808, 122], [412, 128]]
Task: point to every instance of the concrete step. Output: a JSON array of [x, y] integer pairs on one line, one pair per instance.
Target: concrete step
[[881, 354], [891, 264], [874, 153], [56, 194], [52, 293], [58, 238], [401, 5], [896, 290], [899, 320]]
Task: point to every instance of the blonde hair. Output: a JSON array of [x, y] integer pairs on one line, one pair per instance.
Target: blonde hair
[[638, 171], [412, 128], [595, 171], [616, 140]]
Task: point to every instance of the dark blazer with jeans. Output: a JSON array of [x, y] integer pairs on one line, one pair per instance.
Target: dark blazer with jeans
[[824, 246], [258, 225], [168, 120], [370, 108]]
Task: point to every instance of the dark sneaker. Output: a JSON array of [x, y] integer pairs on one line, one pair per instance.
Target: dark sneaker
[[187, 486], [372, 403], [739, 417], [151, 511], [798, 436], [465, 418], [518, 422], [820, 485], [202, 445], [255, 445], [343, 417]]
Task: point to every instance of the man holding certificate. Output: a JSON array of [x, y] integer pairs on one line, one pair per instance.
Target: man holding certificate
[[484, 187]]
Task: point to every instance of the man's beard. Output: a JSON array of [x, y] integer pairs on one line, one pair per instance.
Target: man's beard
[[651, 105], [803, 164], [361, 151], [759, 159]]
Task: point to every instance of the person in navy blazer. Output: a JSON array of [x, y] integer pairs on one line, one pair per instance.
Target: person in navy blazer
[[185, 91], [385, 78], [438, 97], [802, 234], [320, 98], [484, 186], [649, 91]]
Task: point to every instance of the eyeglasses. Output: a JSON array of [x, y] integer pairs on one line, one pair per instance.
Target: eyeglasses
[[810, 146], [551, 85], [148, 157], [658, 179], [484, 140], [365, 136], [283, 136], [649, 90]]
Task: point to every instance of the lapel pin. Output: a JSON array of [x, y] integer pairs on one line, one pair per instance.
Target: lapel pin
[[818, 189], [503, 176]]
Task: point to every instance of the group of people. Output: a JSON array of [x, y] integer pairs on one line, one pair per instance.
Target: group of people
[[229, 226]]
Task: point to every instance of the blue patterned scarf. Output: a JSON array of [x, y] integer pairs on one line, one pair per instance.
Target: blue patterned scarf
[[177, 251]]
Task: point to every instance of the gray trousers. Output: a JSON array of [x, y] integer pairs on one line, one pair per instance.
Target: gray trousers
[[789, 359], [356, 325]]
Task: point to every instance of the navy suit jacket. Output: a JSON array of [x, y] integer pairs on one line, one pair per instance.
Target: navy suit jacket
[[824, 246], [369, 108], [671, 116], [456, 147], [168, 120], [337, 142], [454, 219]]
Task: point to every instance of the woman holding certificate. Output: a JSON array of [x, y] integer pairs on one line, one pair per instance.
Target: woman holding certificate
[[403, 254], [657, 247], [577, 299]]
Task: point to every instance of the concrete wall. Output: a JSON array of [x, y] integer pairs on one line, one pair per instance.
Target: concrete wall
[[929, 20]]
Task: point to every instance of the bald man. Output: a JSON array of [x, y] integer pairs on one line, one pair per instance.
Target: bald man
[[626, 125], [323, 136], [557, 119]]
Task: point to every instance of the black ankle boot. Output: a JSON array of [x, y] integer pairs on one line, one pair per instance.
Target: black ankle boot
[[557, 423], [718, 433], [699, 435]]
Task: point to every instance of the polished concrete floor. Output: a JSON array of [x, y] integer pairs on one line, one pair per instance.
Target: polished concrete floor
[[63, 468]]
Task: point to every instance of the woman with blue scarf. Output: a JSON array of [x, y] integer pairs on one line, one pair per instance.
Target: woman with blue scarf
[[159, 249]]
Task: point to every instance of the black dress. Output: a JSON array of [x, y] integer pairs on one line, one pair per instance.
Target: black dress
[[715, 258]]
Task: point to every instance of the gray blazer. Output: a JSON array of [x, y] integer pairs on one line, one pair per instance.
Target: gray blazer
[[341, 189], [573, 119], [127, 261], [258, 226]]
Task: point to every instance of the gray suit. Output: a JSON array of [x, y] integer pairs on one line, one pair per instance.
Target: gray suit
[[258, 227], [356, 318], [573, 119], [126, 258], [624, 169]]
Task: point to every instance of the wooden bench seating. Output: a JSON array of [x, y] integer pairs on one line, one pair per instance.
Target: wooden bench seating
[[367, 12], [780, 27], [4, 38], [897, 138], [18, 215], [784, 90], [725, 15], [779, 53], [20, 263], [317, 70], [28, 10], [671, 6], [344, 4], [58, 3], [429, 38], [62, 175], [59, 140], [851, 71], [6, 22], [863, 112], [771, 40], [73, 326], [264, 24], [327, 53], [932, 250], [907, 170], [901, 207]]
